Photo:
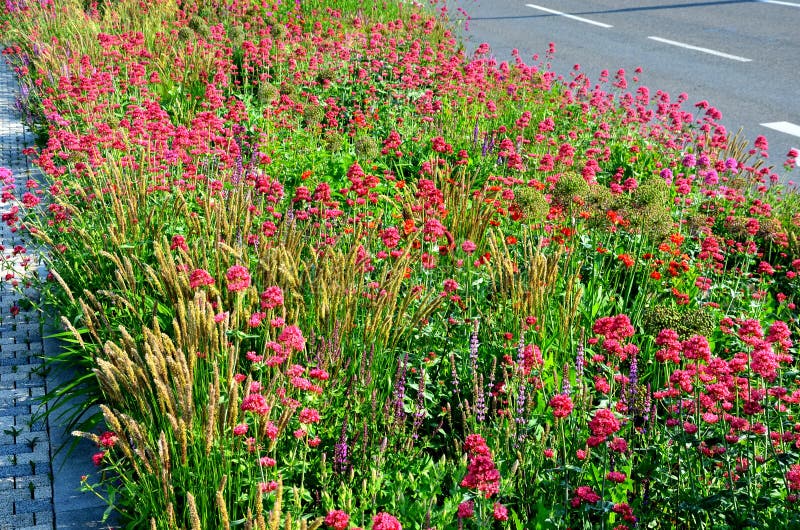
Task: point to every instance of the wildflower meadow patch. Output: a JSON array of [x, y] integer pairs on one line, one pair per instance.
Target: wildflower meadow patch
[[317, 267]]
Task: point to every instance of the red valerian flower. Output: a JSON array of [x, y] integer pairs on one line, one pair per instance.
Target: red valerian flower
[[238, 278], [616, 476], [266, 487], [199, 277], [108, 439], [450, 285], [319, 373], [440, 146], [256, 403], [482, 475], [697, 347], [272, 297], [793, 477], [466, 510], [619, 445], [179, 242], [764, 362], [779, 333], [390, 237], [476, 445], [337, 519], [584, 494], [603, 424], [309, 416], [674, 347], [500, 512], [617, 327], [561, 405], [292, 338], [384, 521], [625, 510]]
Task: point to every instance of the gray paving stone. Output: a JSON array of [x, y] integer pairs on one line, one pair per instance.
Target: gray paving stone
[[6, 484], [20, 520], [7, 471], [37, 491], [26, 498], [40, 454], [33, 505]]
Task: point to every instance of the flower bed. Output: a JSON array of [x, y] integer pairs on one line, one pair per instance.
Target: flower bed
[[321, 269]]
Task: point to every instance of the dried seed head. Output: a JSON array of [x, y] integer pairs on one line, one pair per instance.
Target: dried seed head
[[194, 518]]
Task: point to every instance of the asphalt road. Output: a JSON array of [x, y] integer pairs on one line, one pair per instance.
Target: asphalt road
[[742, 56]]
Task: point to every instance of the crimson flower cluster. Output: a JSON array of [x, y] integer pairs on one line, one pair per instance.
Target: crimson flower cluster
[[482, 474], [603, 424]]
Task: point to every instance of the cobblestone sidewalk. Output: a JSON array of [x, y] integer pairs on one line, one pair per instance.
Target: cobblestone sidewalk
[[28, 474], [26, 492]]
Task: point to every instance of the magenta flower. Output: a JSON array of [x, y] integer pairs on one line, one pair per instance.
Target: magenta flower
[[466, 510], [309, 416], [238, 278], [602, 425], [337, 519], [292, 338], [256, 403], [561, 405], [108, 439], [272, 297], [499, 512], [199, 277], [584, 494], [468, 246], [616, 476], [178, 242], [476, 445], [384, 521], [793, 477]]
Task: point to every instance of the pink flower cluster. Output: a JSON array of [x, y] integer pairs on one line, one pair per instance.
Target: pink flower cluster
[[238, 278], [695, 348], [337, 519], [584, 494], [561, 405], [615, 330], [482, 474], [384, 521], [602, 425]]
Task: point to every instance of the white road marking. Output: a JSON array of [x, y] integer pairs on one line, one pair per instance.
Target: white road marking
[[776, 2], [567, 15], [784, 127], [699, 49]]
